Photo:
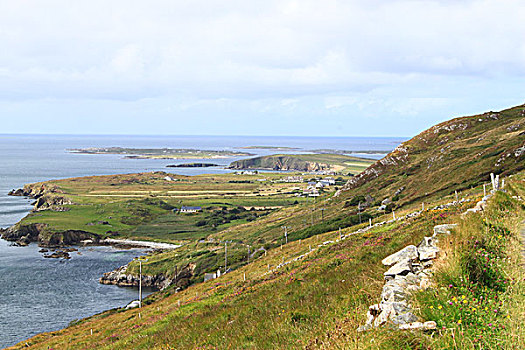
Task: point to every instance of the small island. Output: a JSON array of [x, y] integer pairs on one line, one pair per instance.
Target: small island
[[161, 153]]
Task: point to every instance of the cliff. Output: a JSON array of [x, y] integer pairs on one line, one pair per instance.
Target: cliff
[[302, 162]]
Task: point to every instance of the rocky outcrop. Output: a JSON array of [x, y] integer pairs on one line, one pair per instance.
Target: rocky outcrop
[[409, 271], [24, 234], [121, 277], [280, 163], [47, 197]]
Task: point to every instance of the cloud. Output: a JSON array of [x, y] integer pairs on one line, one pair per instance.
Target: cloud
[[330, 55], [233, 48]]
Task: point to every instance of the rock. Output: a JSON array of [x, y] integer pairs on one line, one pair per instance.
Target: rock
[[427, 249], [389, 311], [409, 252], [442, 229], [18, 192], [133, 304], [43, 250], [386, 201], [23, 241], [425, 283], [392, 292], [403, 318], [401, 268], [418, 326], [58, 255]]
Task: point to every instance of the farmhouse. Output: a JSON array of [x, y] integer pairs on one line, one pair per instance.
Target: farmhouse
[[184, 209]]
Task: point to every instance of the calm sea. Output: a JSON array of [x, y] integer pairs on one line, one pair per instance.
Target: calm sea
[[45, 294]]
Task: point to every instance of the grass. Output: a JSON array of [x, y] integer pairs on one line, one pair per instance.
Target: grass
[[481, 282], [315, 302]]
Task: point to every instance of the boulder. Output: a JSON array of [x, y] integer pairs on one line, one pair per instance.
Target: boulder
[[403, 318], [409, 252], [424, 326], [401, 268], [133, 304], [427, 249], [442, 229], [393, 292]]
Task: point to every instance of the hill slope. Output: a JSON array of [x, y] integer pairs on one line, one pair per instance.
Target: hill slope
[[453, 155], [318, 301]]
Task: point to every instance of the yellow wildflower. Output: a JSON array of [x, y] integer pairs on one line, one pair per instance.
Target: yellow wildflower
[[465, 301], [463, 297], [440, 307], [459, 322], [431, 306]]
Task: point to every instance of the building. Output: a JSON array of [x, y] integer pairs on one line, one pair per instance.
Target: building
[[185, 209]]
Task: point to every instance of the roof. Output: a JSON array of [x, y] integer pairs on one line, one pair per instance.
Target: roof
[[190, 208]]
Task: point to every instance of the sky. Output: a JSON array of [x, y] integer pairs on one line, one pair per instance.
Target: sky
[[271, 67]]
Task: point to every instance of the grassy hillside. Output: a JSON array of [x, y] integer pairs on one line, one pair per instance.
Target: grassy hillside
[[454, 155], [315, 302], [318, 301]]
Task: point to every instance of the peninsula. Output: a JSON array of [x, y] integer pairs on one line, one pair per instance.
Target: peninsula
[[161, 153]]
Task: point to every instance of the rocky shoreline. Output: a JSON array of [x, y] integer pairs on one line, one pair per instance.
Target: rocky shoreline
[[120, 277]]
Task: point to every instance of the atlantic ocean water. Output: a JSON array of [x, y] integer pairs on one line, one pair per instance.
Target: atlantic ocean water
[[39, 295]]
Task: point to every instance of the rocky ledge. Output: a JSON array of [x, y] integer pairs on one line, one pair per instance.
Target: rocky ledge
[[23, 234], [410, 270], [46, 197], [121, 277]]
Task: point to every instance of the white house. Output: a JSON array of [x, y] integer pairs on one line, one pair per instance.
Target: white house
[[184, 209]]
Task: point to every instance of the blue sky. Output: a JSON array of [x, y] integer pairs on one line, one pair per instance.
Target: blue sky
[[272, 67]]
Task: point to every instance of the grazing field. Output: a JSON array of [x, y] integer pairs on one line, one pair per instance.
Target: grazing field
[[145, 206]]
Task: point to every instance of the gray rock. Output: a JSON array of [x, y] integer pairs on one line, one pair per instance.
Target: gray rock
[[445, 228], [401, 268], [133, 304], [393, 292], [409, 252], [403, 318], [424, 326], [427, 249]]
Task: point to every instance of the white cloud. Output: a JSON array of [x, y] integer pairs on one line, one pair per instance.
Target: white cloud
[[335, 52]]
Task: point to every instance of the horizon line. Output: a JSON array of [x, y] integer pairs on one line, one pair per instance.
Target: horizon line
[[201, 135]]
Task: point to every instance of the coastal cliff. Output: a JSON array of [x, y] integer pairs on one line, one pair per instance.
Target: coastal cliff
[[279, 162], [24, 234], [46, 198]]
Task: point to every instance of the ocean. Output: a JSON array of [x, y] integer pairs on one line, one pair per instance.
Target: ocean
[[40, 294]]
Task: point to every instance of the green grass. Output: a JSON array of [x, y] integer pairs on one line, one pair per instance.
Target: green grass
[[481, 282], [319, 300]]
